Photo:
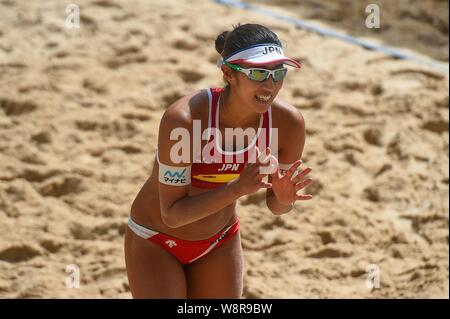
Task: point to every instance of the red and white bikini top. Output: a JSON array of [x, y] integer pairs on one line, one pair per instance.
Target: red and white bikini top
[[228, 165]]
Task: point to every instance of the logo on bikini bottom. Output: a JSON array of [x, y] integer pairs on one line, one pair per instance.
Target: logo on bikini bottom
[[171, 243], [220, 238]]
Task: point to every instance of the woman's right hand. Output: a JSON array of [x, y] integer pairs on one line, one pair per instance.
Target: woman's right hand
[[251, 178]]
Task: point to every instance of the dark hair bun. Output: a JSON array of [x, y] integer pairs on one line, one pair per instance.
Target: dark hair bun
[[243, 36], [220, 41]]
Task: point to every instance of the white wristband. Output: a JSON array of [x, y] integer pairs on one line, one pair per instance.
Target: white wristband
[[285, 167]]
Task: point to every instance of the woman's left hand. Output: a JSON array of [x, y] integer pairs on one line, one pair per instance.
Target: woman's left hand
[[286, 189]]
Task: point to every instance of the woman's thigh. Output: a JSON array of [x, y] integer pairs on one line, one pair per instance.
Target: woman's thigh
[[152, 271], [219, 273]]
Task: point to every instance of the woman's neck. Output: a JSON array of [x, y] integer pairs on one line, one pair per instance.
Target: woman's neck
[[233, 113]]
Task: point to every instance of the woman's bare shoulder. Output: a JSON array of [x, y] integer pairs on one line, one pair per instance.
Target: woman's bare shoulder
[[291, 130], [286, 115]]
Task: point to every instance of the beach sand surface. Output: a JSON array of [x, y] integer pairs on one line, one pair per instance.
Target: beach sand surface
[[79, 118]]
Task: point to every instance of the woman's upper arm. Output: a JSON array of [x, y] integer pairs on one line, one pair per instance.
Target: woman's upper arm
[[174, 157], [292, 140], [293, 137]]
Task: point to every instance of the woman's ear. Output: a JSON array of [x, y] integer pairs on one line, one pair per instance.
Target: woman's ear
[[227, 73]]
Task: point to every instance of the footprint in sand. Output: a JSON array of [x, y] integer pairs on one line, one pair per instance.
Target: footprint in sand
[[414, 73], [110, 230], [343, 144], [106, 4], [13, 107], [136, 116], [213, 58], [51, 245], [315, 104], [373, 136], [185, 26], [15, 65], [352, 85], [253, 199], [126, 55], [87, 125], [109, 128], [326, 237], [127, 50], [107, 231], [437, 126], [384, 168], [170, 97], [372, 193], [81, 232], [330, 252], [95, 86], [441, 101], [123, 17], [51, 44], [307, 93], [314, 189], [39, 173], [376, 89], [279, 222], [185, 44], [42, 137], [61, 185], [19, 253], [61, 54], [88, 22], [191, 76]]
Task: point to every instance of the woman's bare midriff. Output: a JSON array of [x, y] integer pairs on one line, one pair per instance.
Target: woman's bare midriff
[[146, 212]]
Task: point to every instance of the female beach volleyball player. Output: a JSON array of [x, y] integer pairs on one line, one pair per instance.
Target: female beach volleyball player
[[183, 237]]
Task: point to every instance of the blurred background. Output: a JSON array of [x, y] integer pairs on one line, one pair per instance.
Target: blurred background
[[79, 116]]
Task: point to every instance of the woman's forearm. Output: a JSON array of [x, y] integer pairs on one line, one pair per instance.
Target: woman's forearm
[[192, 208]]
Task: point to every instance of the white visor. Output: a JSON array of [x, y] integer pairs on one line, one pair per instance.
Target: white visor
[[261, 54]]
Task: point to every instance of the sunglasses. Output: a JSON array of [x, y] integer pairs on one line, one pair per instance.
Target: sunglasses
[[260, 75]]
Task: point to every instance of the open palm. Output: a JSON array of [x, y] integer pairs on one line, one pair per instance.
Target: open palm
[[286, 189]]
